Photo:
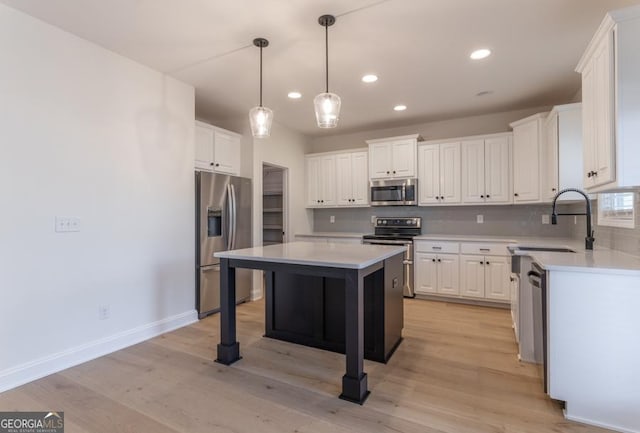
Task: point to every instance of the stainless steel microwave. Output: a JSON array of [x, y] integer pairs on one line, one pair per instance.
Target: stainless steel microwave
[[397, 192]]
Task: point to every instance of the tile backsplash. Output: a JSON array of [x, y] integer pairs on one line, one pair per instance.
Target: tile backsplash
[[507, 220]]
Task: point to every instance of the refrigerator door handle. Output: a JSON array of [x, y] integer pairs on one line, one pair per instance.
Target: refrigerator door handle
[[234, 220], [229, 208]]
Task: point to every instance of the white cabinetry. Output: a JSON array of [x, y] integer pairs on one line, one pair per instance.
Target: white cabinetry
[[321, 180], [610, 68], [486, 169], [439, 173], [468, 270], [352, 179], [562, 152], [337, 179], [393, 157], [485, 277], [527, 137], [217, 149], [437, 268]]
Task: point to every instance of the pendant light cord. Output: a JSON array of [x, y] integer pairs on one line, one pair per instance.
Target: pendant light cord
[[326, 44], [261, 75]]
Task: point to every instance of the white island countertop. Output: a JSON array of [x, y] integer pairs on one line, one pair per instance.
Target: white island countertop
[[349, 256]]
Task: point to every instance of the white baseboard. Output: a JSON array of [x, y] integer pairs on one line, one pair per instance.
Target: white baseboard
[[30, 371], [598, 423]]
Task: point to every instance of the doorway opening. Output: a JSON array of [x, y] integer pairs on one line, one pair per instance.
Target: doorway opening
[[274, 204]]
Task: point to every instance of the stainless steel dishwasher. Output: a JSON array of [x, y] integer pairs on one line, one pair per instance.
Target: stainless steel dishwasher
[[537, 277]]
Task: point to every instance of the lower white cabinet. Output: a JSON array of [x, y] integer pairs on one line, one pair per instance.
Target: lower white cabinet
[[485, 277], [437, 273], [451, 269]]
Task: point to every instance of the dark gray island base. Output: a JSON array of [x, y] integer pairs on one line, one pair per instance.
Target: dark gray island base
[[364, 274], [310, 310]]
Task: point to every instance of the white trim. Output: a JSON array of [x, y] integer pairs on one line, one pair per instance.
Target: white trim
[[597, 423], [628, 223], [36, 369]]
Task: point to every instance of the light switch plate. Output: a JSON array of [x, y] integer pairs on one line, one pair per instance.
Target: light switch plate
[[480, 219], [67, 224], [332, 219], [545, 219]]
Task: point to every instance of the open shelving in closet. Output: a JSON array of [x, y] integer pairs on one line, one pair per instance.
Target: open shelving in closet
[[272, 205]]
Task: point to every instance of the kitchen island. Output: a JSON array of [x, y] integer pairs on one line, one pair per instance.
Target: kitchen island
[[291, 268]]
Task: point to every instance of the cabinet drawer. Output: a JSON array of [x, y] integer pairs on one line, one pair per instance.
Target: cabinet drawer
[[484, 249], [437, 247]]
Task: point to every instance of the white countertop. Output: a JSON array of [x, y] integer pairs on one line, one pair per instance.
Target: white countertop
[[332, 235], [350, 256], [600, 260]]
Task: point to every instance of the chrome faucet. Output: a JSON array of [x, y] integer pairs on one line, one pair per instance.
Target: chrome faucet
[[588, 241]]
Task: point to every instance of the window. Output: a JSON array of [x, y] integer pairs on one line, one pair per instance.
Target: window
[[616, 209]]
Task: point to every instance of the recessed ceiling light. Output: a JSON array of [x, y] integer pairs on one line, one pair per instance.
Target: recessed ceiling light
[[400, 107], [480, 54], [370, 78], [294, 95]]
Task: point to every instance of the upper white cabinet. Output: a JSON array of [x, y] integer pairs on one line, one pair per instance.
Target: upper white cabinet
[[352, 179], [321, 180], [527, 148], [439, 173], [486, 169], [393, 157], [337, 179], [562, 152], [610, 68], [217, 149]]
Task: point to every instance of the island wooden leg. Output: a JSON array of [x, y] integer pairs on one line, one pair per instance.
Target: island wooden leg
[[229, 348], [354, 382]]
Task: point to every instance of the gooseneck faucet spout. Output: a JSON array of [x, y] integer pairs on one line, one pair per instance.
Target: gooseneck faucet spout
[[589, 239]]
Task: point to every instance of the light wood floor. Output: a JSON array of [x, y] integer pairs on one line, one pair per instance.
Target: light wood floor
[[456, 371]]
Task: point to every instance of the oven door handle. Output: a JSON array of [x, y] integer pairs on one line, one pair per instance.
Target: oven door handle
[[388, 242]]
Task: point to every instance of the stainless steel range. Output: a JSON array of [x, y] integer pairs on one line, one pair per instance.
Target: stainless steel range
[[398, 231]]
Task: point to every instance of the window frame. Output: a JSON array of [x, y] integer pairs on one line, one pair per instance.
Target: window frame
[[610, 221]]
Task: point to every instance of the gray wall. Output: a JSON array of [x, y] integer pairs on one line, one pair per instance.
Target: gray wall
[[625, 240], [450, 128], [509, 220]]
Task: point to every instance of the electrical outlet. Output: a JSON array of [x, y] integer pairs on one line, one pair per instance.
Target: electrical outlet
[[480, 219], [373, 219], [332, 219], [575, 220], [67, 224], [545, 219], [104, 312]]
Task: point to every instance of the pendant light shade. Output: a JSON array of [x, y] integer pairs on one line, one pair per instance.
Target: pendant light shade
[[261, 117], [327, 105]]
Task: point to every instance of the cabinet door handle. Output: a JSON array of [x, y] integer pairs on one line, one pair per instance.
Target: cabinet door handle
[[439, 260], [595, 173], [436, 248], [482, 263], [433, 260], [394, 172], [482, 196], [487, 263], [485, 249], [217, 165], [553, 189], [211, 164], [516, 194], [388, 172], [488, 196]]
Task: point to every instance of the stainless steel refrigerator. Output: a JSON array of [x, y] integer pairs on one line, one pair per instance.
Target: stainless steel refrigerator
[[223, 222]]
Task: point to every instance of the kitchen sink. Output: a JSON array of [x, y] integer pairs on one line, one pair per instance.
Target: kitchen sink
[[549, 249]]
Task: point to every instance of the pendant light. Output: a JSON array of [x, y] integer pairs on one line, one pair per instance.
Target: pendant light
[[260, 117], [327, 105]]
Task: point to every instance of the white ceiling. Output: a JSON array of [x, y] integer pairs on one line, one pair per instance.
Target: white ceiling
[[418, 48]]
